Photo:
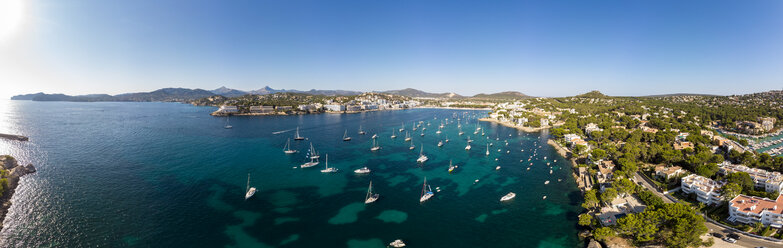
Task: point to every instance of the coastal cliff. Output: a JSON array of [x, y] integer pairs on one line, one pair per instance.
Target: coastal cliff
[[10, 173]]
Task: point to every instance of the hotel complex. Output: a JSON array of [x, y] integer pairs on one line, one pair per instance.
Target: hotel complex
[[707, 191], [769, 181], [752, 209]]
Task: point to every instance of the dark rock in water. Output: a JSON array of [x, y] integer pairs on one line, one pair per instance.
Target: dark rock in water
[[14, 137]]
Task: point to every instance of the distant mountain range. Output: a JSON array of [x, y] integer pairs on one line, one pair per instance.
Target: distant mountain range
[[227, 92], [161, 95], [409, 92], [502, 96]]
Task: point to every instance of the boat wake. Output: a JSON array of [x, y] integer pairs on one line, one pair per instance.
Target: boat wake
[[279, 132]]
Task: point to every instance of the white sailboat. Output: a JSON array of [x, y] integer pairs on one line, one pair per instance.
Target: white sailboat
[[313, 152], [345, 136], [467, 147], [422, 132], [297, 137], [451, 167], [326, 166], [422, 158], [407, 136], [375, 146], [313, 159], [393, 136], [228, 126], [250, 191], [370, 198], [412, 146], [460, 130], [440, 143], [374, 136], [487, 149], [402, 128], [361, 132], [426, 191], [447, 139], [287, 148]]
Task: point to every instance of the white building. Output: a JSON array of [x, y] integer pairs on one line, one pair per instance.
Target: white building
[[334, 107], [571, 137], [228, 109], [592, 127], [769, 181], [752, 209], [707, 191]]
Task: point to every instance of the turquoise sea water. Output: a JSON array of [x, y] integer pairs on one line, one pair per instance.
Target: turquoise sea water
[[170, 175]]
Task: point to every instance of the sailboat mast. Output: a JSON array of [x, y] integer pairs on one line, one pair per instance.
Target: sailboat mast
[[248, 182], [369, 192], [423, 187]]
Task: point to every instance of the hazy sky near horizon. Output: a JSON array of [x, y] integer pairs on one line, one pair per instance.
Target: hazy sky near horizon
[[541, 48]]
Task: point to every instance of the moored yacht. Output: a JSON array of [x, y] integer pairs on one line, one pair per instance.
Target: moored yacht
[[297, 137], [250, 191], [426, 191], [345, 136], [370, 197], [287, 149], [326, 166], [508, 196], [363, 170], [422, 158]]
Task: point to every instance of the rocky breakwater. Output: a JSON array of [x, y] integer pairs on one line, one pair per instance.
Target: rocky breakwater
[[10, 173]]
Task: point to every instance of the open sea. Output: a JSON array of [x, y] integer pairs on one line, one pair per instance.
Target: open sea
[[171, 175]]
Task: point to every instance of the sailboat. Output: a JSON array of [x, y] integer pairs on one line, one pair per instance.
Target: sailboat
[[250, 191], [460, 130], [287, 148], [422, 158], [451, 167], [297, 137], [440, 143], [313, 159], [370, 198], [313, 152], [326, 166], [374, 136], [447, 139], [487, 149], [361, 132], [375, 146], [426, 191], [345, 136], [412, 146], [402, 128], [422, 132], [393, 136], [467, 147], [438, 132], [407, 136]]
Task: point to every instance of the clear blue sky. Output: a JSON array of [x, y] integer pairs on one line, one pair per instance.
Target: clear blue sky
[[542, 48]]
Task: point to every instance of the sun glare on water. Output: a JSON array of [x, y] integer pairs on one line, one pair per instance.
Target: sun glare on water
[[11, 16]]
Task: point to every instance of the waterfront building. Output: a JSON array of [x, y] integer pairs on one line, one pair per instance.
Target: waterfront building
[[752, 209], [262, 109], [707, 191], [334, 107], [769, 181], [605, 169], [228, 109], [283, 108], [544, 122], [767, 123]]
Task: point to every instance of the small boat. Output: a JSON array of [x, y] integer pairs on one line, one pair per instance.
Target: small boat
[[375, 146], [550, 171], [297, 137], [422, 158], [363, 170], [451, 167], [402, 128], [361, 132], [228, 126], [498, 150], [544, 198], [345, 136], [370, 198], [440, 143], [374, 136], [547, 182], [447, 139], [422, 132], [528, 168], [397, 243], [287, 148], [426, 191], [250, 191], [508, 196], [555, 161], [412, 146], [469, 140], [467, 147], [393, 136], [326, 166], [407, 136], [508, 151]]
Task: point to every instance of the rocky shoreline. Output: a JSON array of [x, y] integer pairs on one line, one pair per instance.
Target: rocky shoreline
[[13, 137], [15, 172]]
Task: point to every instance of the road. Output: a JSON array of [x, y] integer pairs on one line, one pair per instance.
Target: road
[[744, 241]]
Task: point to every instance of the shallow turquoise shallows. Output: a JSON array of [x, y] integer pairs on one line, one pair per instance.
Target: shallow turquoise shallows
[[171, 175]]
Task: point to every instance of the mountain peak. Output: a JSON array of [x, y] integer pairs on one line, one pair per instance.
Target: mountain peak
[[592, 94]]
